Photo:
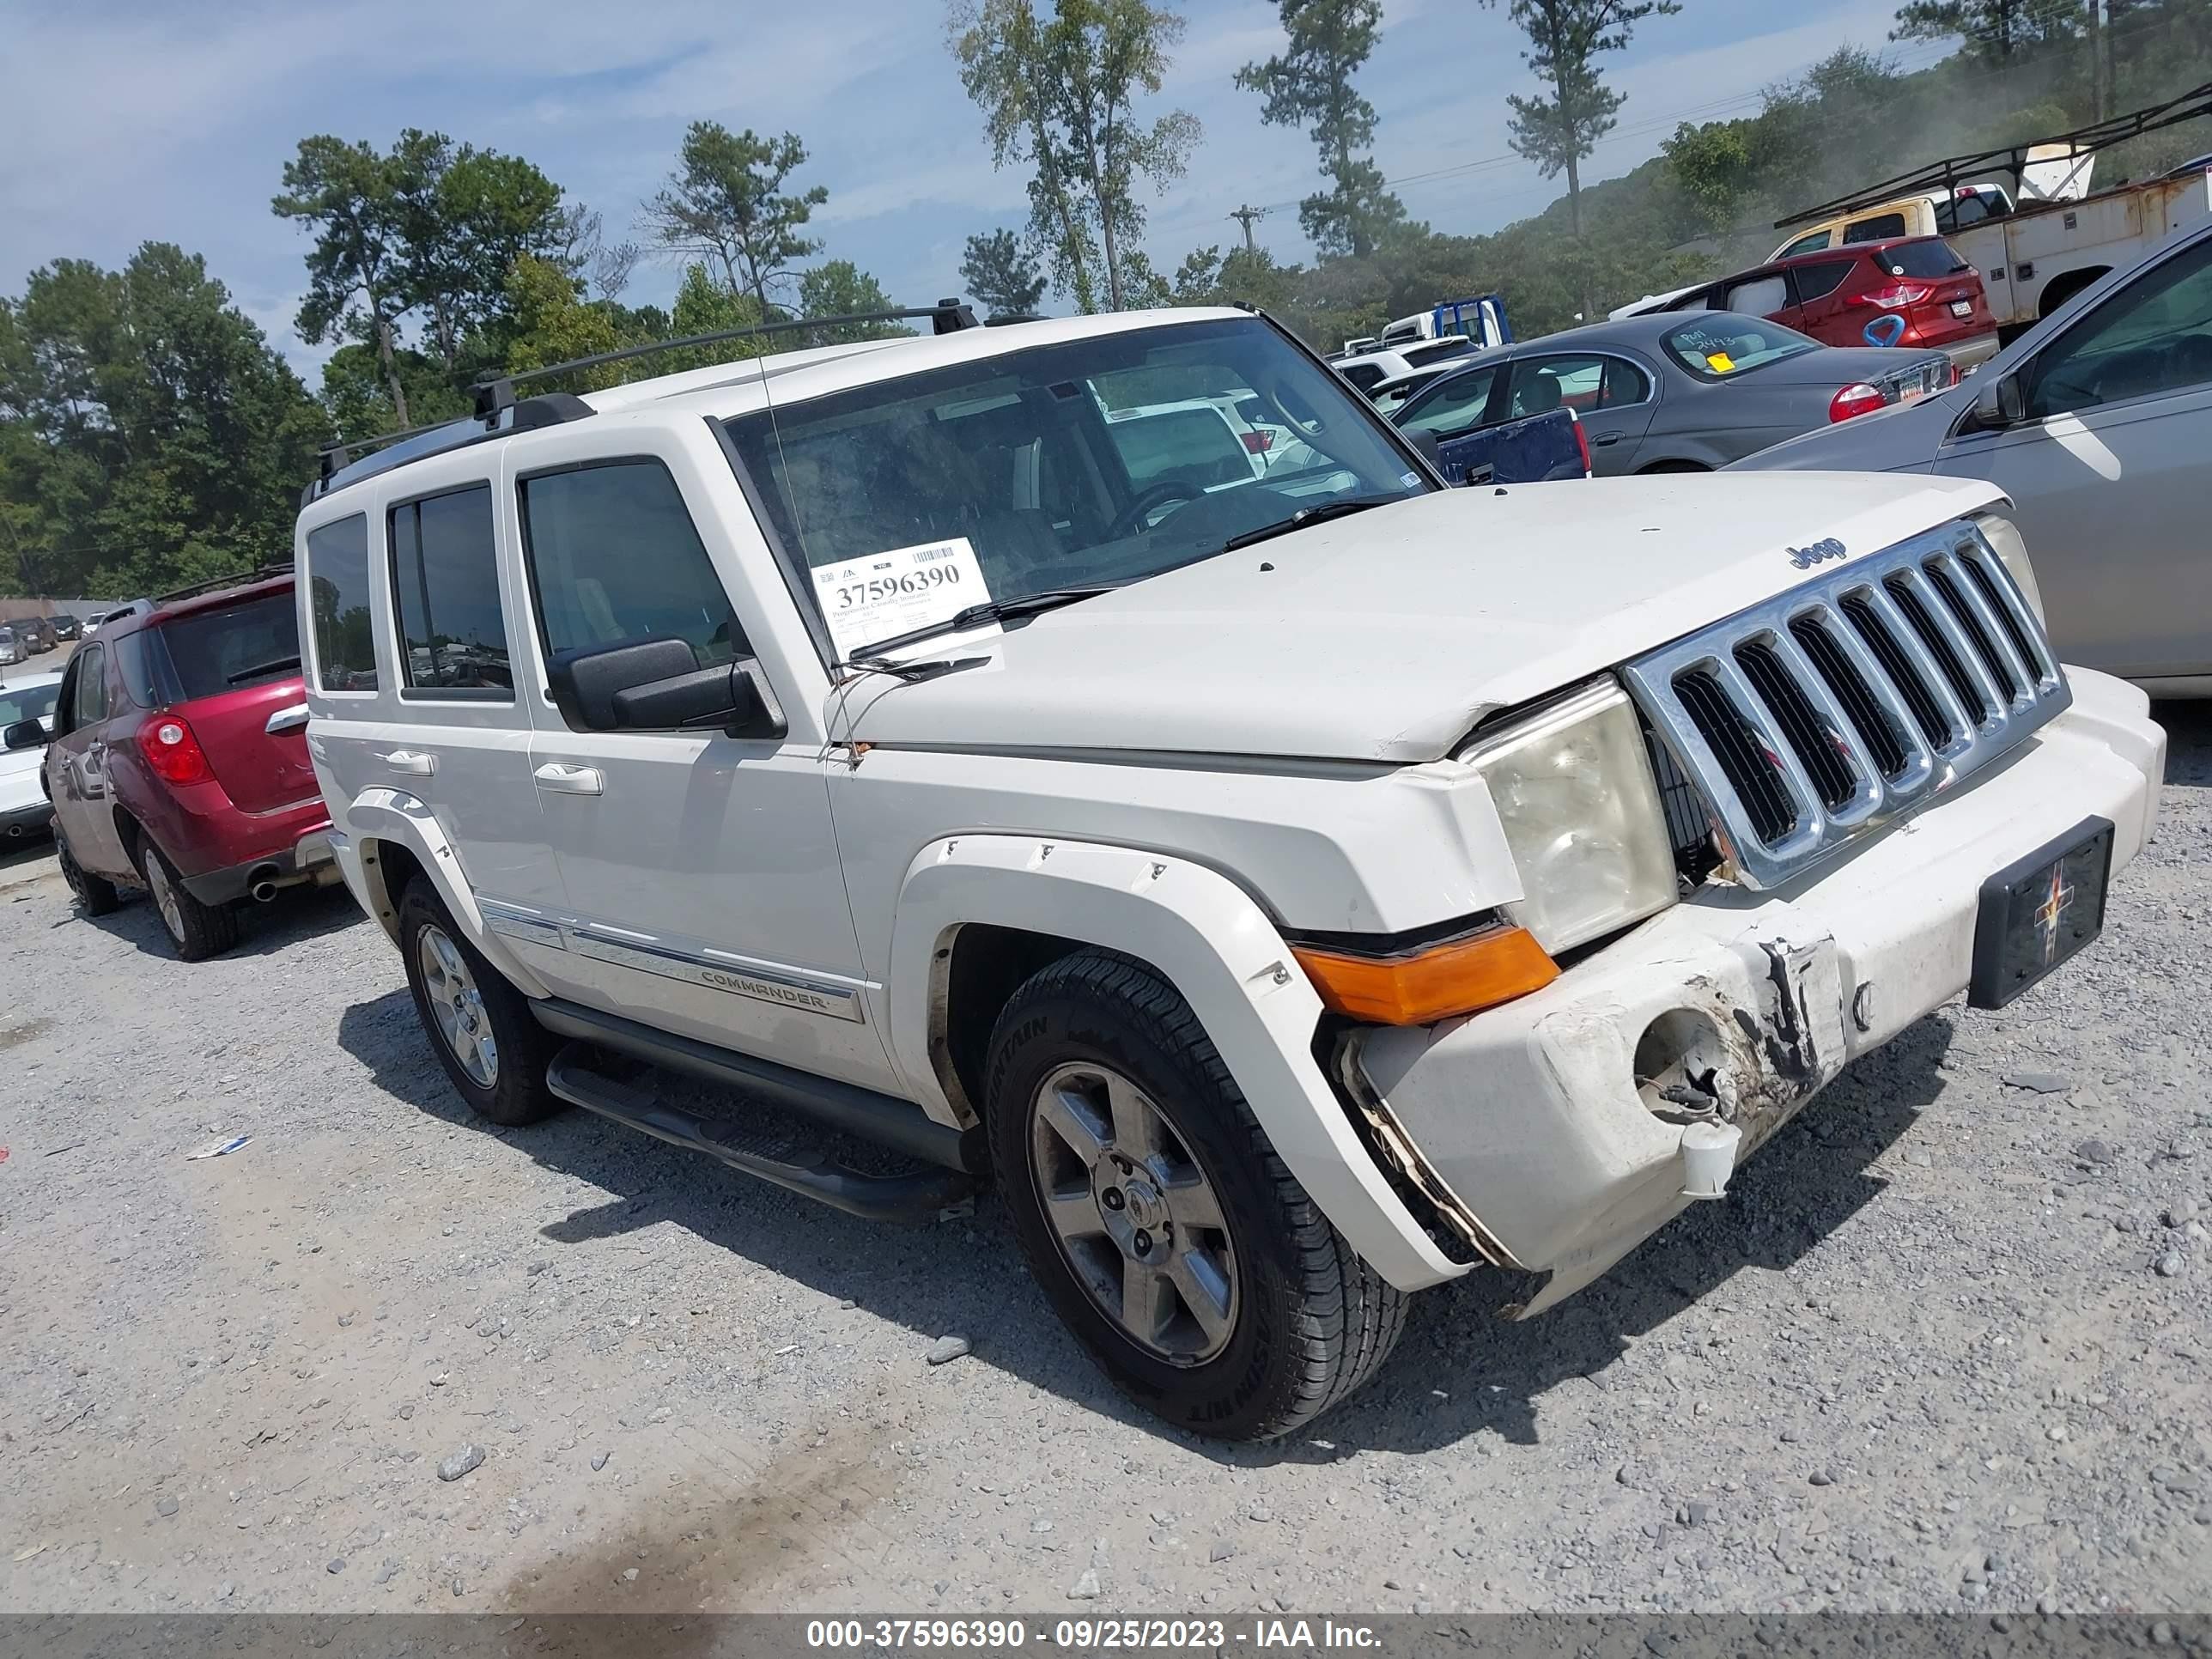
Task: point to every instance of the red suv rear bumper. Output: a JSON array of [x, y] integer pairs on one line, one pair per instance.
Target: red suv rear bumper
[[223, 853]]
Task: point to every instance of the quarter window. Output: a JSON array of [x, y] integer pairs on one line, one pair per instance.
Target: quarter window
[[337, 595], [613, 555], [445, 587]]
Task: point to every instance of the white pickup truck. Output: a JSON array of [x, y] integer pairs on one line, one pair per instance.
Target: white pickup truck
[[1291, 896]]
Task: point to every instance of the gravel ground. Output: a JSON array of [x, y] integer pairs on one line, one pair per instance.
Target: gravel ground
[[1943, 1348]]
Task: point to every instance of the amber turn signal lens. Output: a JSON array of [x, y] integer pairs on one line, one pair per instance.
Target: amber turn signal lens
[[1457, 978]]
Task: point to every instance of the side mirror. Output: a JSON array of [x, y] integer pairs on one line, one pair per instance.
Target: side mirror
[[2001, 403], [1430, 446], [25, 735], [657, 685]]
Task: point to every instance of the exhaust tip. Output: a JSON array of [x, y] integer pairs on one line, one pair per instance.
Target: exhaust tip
[[261, 885]]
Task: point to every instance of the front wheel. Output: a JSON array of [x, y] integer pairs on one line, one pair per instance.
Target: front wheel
[[95, 895], [1156, 1215], [481, 1026]]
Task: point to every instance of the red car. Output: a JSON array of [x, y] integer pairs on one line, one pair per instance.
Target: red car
[[178, 760], [1912, 291]]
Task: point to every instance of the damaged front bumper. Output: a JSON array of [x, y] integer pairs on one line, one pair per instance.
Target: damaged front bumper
[[1551, 1131]]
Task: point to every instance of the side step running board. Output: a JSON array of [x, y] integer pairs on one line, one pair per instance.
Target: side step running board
[[787, 1163]]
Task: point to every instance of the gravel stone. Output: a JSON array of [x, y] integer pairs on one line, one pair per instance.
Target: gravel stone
[[456, 1464], [599, 1461], [2169, 1265], [2041, 1083], [335, 1563], [1086, 1587], [2093, 1150], [165, 1505], [946, 1349]]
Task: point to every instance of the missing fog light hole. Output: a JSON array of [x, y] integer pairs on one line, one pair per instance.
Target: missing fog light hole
[[1681, 1068]]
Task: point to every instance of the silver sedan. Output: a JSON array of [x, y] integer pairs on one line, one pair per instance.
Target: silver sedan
[[2098, 423]]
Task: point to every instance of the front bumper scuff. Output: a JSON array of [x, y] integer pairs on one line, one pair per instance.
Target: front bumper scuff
[[1539, 1129]]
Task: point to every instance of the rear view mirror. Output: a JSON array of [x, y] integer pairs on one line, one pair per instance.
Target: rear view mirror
[[657, 685], [1430, 446], [25, 735], [2001, 404]]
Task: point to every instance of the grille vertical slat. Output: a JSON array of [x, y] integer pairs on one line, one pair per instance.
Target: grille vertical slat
[[1843, 702]]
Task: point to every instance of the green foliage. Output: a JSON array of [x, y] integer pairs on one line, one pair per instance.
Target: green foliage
[[1059, 96], [726, 204], [1002, 275], [1310, 85], [1993, 29], [838, 288], [148, 436]]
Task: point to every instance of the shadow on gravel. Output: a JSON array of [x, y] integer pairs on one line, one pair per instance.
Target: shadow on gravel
[[1808, 1181], [305, 913], [2188, 741]]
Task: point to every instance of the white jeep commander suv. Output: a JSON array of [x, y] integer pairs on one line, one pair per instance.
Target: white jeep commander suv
[[1293, 890]]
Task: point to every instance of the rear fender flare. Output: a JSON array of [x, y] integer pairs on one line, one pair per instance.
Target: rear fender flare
[[1220, 951], [393, 816]]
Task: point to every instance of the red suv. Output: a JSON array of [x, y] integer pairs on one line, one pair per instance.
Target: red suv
[[179, 760], [1909, 291]]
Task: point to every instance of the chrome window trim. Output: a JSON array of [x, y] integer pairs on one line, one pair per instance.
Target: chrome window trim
[[2000, 726]]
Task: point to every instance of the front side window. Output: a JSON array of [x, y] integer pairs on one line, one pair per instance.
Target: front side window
[[1719, 347], [2154, 336], [338, 600], [910, 500], [613, 555], [1454, 407], [90, 688], [444, 588]]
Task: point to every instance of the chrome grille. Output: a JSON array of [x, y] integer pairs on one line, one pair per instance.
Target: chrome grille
[[1833, 708]]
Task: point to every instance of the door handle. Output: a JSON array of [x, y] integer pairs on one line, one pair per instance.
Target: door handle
[[408, 761], [555, 779], [286, 719], [1604, 438]]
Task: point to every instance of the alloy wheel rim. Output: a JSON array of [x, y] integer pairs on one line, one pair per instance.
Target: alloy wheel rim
[[164, 896], [457, 1006], [1133, 1213]]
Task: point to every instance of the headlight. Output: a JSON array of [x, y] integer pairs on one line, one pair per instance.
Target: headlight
[[1574, 791], [2003, 537]]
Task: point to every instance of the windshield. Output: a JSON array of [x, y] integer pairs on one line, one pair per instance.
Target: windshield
[[27, 702], [1721, 345], [1097, 462]]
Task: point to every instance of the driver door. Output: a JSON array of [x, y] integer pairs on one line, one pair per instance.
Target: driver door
[[1455, 410], [2107, 473], [77, 769]]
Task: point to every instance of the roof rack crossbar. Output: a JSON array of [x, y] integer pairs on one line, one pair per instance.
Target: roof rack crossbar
[[2098, 135], [950, 316]]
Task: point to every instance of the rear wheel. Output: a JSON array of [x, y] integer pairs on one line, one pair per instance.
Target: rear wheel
[[198, 931], [1157, 1217], [480, 1026], [95, 896]]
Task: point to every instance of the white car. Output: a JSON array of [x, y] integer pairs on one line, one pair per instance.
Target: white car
[[1293, 900], [1369, 369], [24, 807]]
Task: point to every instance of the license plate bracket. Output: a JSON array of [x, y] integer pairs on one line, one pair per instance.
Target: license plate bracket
[[2038, 911]]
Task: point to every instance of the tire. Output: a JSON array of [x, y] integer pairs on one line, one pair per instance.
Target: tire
[[479, 1026], [95, 896], [1299, 1322], [198, 931]]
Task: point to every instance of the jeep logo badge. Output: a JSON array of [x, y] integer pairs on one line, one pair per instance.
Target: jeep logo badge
[[1818, 553]]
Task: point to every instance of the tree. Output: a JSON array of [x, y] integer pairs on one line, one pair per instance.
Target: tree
[[357, 269], [725, 203], [554, 324], [1557, 131], [148, 436], [841, 288], [1310, 85], [1994, 29], [1002, 274], [468, 219], [1061, 97]]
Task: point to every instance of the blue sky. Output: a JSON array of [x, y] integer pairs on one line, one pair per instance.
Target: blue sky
[[122, 122]]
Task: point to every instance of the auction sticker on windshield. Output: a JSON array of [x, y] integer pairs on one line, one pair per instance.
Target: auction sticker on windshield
[[866, 601]]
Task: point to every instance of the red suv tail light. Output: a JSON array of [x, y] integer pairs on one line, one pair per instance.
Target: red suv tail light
[[1257, 441], [1893, 296], [1858, 399], [173, 751]]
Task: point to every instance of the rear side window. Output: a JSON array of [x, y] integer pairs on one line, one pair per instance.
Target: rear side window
[[1929, 259], [1760, 296], [338, 598], [445, 587], [1188, 446], [225, 649], [1818, 281], [1880, 228], [613, 555]]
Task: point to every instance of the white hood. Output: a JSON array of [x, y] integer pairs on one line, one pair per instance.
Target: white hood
[[1385, 637]]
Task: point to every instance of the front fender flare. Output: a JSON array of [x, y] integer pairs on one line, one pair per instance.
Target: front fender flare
[[379, 814], [1219, 950]]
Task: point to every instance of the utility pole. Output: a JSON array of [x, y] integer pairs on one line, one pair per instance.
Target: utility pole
[[2100, 62], [1244, 216]]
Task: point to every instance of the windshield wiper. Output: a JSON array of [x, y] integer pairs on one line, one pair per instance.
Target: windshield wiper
[[1307, 516], [991, 610], [268, 667]]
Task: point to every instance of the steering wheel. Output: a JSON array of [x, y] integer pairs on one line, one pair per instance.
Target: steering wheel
[[1131, 518]]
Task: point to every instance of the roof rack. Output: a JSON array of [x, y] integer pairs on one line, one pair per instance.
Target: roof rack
[[495, 398], [237, 579], [1946, 175]]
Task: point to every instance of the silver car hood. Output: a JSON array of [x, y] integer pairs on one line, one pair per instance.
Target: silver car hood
[[1385, 637]]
